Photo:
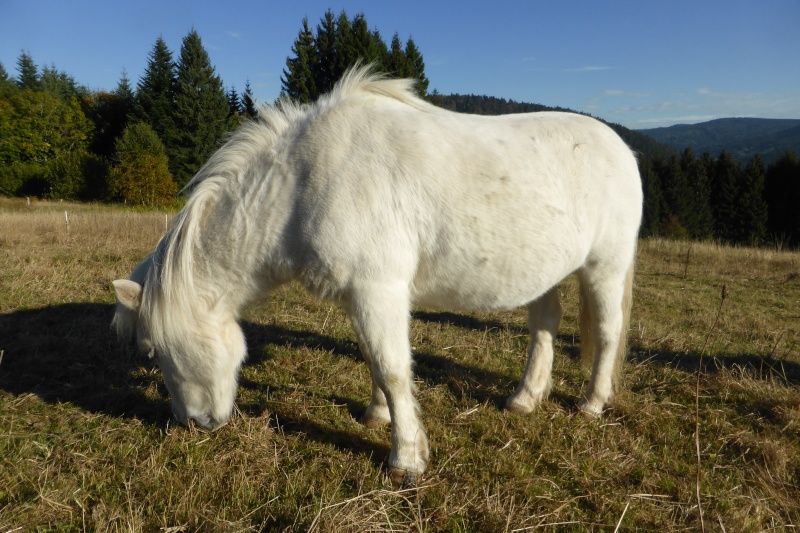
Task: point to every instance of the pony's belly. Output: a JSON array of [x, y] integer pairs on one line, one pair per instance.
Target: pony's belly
[[505, 275], [482, 293]]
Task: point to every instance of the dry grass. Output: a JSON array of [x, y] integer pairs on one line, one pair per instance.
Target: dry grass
[[86, 441]]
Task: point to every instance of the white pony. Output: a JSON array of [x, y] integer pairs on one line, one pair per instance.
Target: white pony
[[378, 201]]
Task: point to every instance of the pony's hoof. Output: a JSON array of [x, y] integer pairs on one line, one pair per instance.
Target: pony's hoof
[[373, 422], [403, 479], [516, 407], [590, 409]]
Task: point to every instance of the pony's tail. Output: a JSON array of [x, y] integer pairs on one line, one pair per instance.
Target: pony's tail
[[587, 321]]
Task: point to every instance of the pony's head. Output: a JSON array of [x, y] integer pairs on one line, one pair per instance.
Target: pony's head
[[199, 354]]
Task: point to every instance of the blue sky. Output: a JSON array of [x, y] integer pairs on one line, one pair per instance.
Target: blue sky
[[640, 63]]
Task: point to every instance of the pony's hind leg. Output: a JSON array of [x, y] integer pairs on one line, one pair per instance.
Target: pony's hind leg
[[605, 309], [544, 316], [380, 313]]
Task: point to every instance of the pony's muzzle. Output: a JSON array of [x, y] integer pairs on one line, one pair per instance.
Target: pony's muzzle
[[204, 424]]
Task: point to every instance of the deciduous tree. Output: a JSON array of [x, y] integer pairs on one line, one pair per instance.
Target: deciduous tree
[[43, 141], [141, 176]]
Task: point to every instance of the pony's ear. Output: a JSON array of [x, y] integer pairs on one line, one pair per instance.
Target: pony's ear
[[129, 293]]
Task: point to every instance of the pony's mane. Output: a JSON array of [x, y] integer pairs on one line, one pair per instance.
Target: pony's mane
[[273, 121], [171, 273]]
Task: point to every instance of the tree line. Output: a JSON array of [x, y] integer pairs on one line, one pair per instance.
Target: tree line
[[320, 57], [141, 145], [59, 139], [705, 197]]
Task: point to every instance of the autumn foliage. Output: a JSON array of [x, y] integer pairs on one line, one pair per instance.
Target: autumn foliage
[[142, 175]]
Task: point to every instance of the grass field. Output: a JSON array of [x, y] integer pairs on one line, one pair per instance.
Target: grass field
[[87, 443]]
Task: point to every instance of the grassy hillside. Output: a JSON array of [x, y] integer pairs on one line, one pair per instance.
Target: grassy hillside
[[87, 443]]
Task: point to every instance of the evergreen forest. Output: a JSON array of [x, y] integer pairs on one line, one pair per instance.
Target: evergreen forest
[[141, 144]]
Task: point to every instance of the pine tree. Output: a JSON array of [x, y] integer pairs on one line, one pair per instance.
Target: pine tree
[[201, 109], [321, 59], [677, 199], [234, 109], [28, 77], [345, 51], [397, 63], [323, 68], [234, 103], [725, 198], [124, 91], [7, 85], [110, 113], [298, 78], [61, 84], [123, 106], [753, 207], [652, 208], [699, 220], [417, 67], [782, 194], [248, 102], [155, 95], [368, 45]]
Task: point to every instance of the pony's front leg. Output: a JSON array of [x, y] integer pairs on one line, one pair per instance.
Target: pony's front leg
[[380, 315], [377, 413], [544, 316]]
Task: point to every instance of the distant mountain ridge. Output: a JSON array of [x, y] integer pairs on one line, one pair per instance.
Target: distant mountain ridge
[[743, 137]]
